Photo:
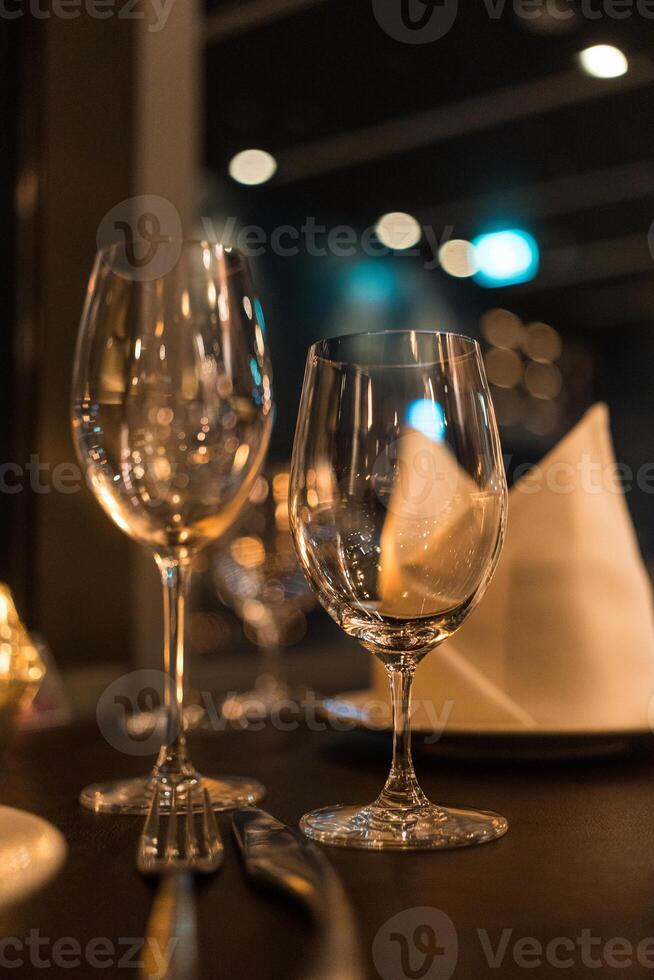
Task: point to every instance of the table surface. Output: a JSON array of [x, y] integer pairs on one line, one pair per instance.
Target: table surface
[[578, 861]]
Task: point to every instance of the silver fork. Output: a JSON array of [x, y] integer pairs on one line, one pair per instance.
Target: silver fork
[[170, 949], [177, 855]]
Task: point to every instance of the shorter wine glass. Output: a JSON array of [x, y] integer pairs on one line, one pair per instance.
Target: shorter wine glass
[[397, 505], [258, 575]]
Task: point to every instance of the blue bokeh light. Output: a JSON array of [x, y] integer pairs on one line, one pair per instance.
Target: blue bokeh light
[[258, 310], [254, 371], [371, 282], [427, 417], [505, 258]]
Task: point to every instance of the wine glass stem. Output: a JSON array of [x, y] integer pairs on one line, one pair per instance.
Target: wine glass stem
[[269, 666], [173, 764], [401, 790]]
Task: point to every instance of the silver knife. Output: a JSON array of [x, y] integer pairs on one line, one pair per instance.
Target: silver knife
[[284, 858]]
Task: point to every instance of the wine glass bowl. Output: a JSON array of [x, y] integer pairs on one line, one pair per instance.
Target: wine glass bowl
[[398, 503], [171, 417], [172, 398]]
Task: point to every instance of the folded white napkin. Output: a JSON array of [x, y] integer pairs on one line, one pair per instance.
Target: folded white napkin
[[563, 640]]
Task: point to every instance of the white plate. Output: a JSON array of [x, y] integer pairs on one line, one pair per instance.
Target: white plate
[[31, 852], [364, 709]]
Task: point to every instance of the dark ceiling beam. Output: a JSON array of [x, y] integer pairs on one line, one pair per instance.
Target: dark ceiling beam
[[456, 120], [616, 304], [239, 18], [610, 258], [545, 199]]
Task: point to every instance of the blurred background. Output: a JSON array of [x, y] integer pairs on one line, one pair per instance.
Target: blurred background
[[385, 163]]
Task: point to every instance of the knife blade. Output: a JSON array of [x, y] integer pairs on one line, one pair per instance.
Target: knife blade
[[283, 858]]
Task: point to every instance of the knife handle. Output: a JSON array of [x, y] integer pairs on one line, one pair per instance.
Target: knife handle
[[171, 949]]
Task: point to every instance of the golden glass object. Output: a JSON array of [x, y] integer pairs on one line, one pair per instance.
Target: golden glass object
[[21, 668]]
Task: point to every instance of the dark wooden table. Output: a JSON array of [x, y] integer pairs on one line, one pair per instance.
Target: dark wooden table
[[575, 873]]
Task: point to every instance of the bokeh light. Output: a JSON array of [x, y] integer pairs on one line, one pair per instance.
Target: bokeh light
[[457, 257], [248, 551], [427, 417], [603, 61], [371, 282], [501, 328], [542, 342], [521, 368], [503, 367], [543, 381], [398, 230], [252, 167], [505, 258]]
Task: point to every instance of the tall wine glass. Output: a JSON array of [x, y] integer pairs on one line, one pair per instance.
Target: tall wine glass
[[171, 415], [397, 503]]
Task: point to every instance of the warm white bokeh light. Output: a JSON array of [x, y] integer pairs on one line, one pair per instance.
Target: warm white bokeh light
[[457, 258], [502, 328], [542, 343], [543, 380], [252, 167], [603, 61], [398, 230], [503, 367]]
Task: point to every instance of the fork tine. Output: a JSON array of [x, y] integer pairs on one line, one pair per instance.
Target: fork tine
[[191, 842], [147, 850], [152, 823], [171, 852], [209, 828], [179, 849], [211, 841]]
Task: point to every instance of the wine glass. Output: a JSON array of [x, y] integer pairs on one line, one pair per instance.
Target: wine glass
[[258, 575], [171, 416], [397, 504]]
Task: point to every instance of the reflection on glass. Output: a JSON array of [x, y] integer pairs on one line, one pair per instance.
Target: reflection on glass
[[398, 501], [171, 417], [259, 576]]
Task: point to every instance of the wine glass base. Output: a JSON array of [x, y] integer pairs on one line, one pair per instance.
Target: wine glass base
[[380, 828], [135, 795]]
